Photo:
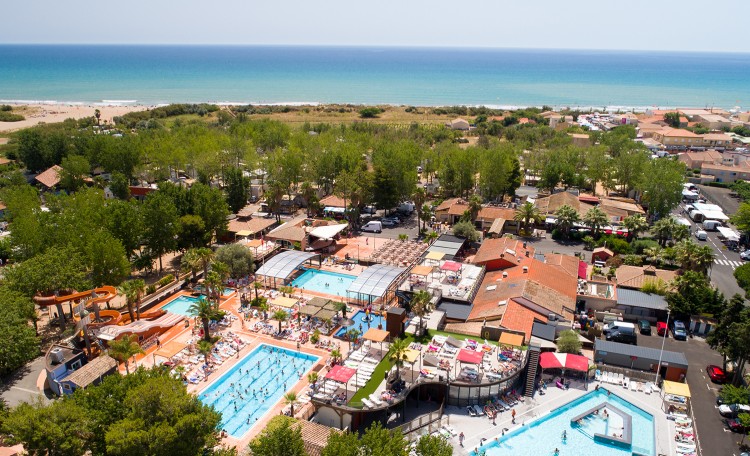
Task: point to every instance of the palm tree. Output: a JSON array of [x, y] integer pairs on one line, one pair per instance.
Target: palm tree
[[595, 218], [257, 285], [680, 232], [421, 305], [214, 285], [190, 261], [98, 115], [419, 197], [526, 214], [204, 256], [340, 307], [426, 215], [663, 229], [133, 292], [397, 353], [566, 217], [204, 310], [352, 335], [289, 399], [123, 349], [475, 205], [312, 378], [430, 237], [281, 316], [704, 258], [335, 354], [204, 348], [310, 195], [655, 255], [635, 224]]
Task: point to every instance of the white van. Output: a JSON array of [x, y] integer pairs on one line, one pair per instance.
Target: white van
[[616, 325], [701, 235], [711, 225], [374, 226]]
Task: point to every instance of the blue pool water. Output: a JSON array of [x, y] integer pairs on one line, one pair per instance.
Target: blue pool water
[[259, 370], [542, 436], [358, 319], [181, 305], [315, 280]]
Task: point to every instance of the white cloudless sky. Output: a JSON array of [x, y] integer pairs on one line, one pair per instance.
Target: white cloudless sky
[[681, 25]]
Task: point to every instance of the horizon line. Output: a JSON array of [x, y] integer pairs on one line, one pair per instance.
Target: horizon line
[[379, 46]]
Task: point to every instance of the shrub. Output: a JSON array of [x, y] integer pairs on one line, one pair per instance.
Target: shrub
[[7, 108], [151, 289], [557, 234], [466, 230], [166, 280], [369, 113], [641, 245], [633, 260], [614, 243], [6, 116], [742, 274], [615, 262], [568, 342]]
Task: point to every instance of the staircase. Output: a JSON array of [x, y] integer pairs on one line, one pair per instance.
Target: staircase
[[531, 367]]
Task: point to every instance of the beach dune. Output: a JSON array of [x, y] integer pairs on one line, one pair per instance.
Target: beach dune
[[52, 113]]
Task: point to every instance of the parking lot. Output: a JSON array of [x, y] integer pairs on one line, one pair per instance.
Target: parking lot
[[714, 439]]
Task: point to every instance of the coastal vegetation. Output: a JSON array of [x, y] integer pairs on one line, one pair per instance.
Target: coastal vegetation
[[7, 114]]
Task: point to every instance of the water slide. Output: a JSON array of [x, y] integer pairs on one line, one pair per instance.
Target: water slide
[[103, 294], [141, 328]]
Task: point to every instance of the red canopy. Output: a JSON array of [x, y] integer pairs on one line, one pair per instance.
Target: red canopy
[[451, 266], [582, 267], [341, 374], [470, 356], [551, 360]]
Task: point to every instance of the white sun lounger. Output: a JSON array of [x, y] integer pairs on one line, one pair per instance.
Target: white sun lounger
[[368, 403], [374, 398]]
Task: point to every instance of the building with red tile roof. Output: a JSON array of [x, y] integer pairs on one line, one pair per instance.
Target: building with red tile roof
[[50, 177], [501, 253]]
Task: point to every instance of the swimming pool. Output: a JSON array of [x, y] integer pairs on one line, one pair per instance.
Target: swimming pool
[[542, 436], [236, 393], [181, 305], [315, 280], [359, 321]]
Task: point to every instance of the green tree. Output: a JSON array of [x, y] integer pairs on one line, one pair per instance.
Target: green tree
[[124, 349], [421, 305], [568, 342], [290, 399], [123, 219], [635, 224], [369, 112], [566, 217], [672, 119], [663, 229], [133, 291], [741, 218], [238, 258], [526, 214], [662, 190], [341, 444], [731, 394], [161, 225], [418, 198], [26, 230], [204, 310], [74, 169], [107, 259], [720, 336], [595, 218], [281, 316], [191, 232], [279, 437], [466, 230], [385, 442], [433, 445], [119, 186], [237, 188], [18, 340]]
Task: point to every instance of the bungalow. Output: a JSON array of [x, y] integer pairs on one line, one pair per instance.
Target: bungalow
[[451, 210], [458, 124], [635, 277], [140, 193], [49, 178], [694, 160], [68, 369], [502, 253]]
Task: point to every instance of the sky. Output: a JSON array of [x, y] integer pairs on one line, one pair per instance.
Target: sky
[[677, 25]]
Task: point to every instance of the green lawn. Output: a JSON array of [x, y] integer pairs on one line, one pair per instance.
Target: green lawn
[[377, 376]]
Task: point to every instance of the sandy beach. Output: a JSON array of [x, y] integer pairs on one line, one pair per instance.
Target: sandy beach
[[52, 113]]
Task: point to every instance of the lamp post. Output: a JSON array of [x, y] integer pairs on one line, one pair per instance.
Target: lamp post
[[661, 353]]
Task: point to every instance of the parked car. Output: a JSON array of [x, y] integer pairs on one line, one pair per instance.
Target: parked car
[[623, 335], [661, 328], [745, 255], [373, 227], [701, 235], [716, 374], [387, 222], [734, 426], [678, 330], [644, 326], [731, 411]]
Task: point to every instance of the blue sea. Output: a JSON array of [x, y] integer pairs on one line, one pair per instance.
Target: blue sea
[[369, 75]]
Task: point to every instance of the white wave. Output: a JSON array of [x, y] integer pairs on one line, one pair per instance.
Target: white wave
[[118, 102]]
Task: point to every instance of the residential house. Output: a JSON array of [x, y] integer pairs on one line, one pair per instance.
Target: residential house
[[580, 139], [615, 208], [451, 210], [91, 373], [694, 160], [675, 138], [726, 174], [244, 225], [635, 277], [49, 178], [502, 253], [139, 192], [717, 140], [458, 124], [60, 362], [713, 121]]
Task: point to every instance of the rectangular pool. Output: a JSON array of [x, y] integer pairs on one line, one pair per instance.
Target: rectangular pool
[[181, 305], [254, 385], [331, 283], [540, 437]]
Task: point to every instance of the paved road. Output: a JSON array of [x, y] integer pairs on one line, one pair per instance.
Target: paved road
[[725, 261], [713, 437], [21, 385]]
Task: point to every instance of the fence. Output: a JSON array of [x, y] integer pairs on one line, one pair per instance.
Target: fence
[[424, 425], [633, 374]]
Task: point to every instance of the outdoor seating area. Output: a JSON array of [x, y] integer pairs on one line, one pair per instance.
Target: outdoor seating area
[[398, 253], [196, 366], [454, 280]]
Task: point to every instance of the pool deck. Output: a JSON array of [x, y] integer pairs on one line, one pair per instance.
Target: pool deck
[[477, 428]]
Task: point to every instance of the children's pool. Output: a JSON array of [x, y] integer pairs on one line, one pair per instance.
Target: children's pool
[[254, 385], [181, 305], [541, 437], [331, 283], [359, 322]]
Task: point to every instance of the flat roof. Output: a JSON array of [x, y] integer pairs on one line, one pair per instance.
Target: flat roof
[[284, 264], [652, 354], [375, 280], [455, 310], [635, 298]]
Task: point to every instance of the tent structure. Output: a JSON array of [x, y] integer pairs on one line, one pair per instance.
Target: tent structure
[[675, 397], [374, 282], [328, 232], [470, 356], [514, 340], [435, 256], [451, 266], [341, 374], [284, 264], [421, 270], [284, 302], [170, 349], [553, 360], [411, 356]]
